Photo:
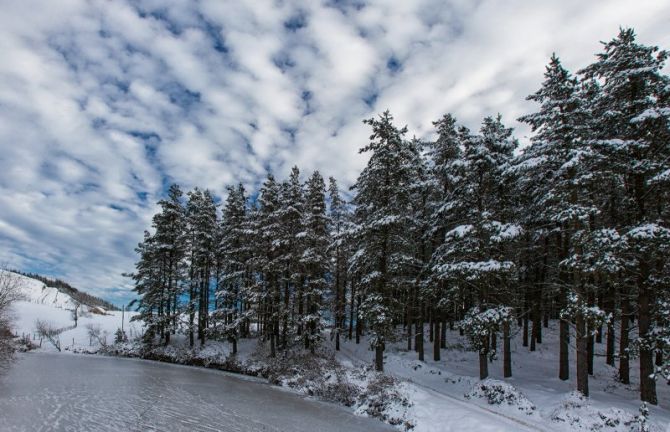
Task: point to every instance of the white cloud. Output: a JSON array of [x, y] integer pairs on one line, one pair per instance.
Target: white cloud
[[105, 102]]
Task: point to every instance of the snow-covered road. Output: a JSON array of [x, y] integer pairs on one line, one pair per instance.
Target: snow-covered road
[[60, 392]]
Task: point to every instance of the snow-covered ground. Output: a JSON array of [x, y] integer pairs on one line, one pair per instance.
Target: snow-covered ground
[[49, 305], [450, 391], [428, 396]]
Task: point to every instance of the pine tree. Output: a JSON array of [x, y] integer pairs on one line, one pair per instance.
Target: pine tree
[[291, 249], [315, 259], [630, 135], [147, 288], [202, 225], [338, 250], [440, 216], [232, 294], [551, 169], [474, 259], [169, 238], [268, 226], [383, 230]]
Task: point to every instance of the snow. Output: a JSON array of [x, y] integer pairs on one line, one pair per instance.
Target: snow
[[651, 113], [438, 389], [35, 291], [427, 396], [53, 307], [661, 177], [648, 231]]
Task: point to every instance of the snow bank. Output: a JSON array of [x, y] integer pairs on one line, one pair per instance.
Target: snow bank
[[577, 412], [496, 392]]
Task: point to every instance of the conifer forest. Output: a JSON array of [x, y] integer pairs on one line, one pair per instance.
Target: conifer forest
[[469, 231]]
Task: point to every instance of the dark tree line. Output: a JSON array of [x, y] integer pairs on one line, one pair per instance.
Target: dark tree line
[[466, 230]]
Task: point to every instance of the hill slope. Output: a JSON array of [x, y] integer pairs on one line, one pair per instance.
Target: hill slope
[[55, 307], [67, 289]]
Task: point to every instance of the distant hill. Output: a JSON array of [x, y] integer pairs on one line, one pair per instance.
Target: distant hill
[[74, 293]]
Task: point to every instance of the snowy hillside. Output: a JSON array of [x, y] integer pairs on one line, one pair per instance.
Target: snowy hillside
[[34, 291], [49, 305]]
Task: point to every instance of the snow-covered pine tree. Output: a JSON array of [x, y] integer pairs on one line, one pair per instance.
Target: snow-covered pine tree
[[146, 278], [202, 225], [315, 261], [234, 254], [474, 258], [290, 250], [384, 229], [170, 249], [339, 253], [551, 171], [631, 136], [445, 173], [268, 227]]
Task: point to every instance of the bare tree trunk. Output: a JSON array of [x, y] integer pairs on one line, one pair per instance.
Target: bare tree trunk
[[536, 334], [507, 352], [410, 322], [436, 336], [564, 341], [582, 356], [431, 320], [419, 336], [609, 309], [590, 349], [647, 383], [379, 357], [443, 335], [624, 361], [563, 334], [525, 329], [483, 361], [351, 310]]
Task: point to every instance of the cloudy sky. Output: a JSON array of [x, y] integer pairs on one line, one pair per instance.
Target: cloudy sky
[[103, 103]]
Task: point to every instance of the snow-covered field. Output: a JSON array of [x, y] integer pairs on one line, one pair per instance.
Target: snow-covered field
[[429, 396], [49, 305]]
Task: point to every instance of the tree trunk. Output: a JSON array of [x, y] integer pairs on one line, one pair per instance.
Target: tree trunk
[[410, 319], [564, 342], [483, 361], [609, 309], [351, 310], [647, 383], [443, 335], [359, 324], [534, 332], [436, 337], [419, 338], [273, 348], [582, 356], [494, 343], [524, 331], [507, 352], [624, 365], [589, 349], [431, 318], [379, 358]]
